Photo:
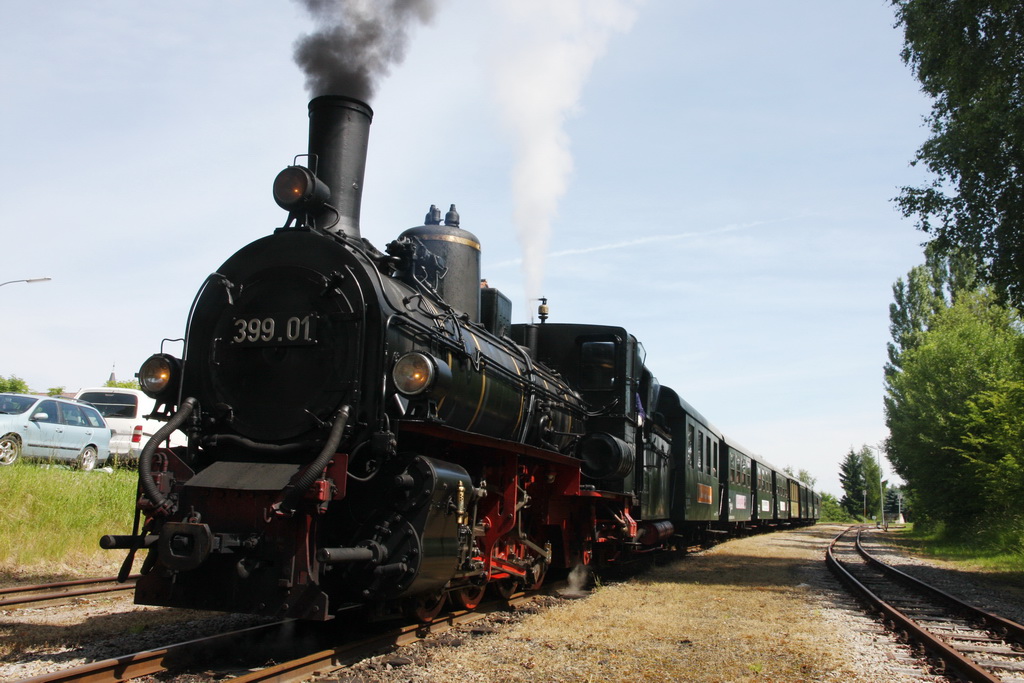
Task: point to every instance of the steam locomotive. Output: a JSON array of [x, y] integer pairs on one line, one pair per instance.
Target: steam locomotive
[[368, 427]]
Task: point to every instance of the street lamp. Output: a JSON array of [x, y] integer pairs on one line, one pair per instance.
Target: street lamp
[[881, 491], [29, 280]]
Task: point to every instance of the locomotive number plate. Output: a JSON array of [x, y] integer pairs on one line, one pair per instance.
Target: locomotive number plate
[[277, 329]]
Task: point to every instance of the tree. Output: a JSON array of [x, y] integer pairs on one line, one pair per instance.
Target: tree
[[13, 385], [122, 384], [860, 477], [928, 289], [968, 349], [832, 511], [897, 502], [993, 444], [968, 57], [805, 476], [851, 478], [55, 391]]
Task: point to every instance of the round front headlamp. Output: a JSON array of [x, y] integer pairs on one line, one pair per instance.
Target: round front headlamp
[[414, 373], [297, 188], [158, 376]]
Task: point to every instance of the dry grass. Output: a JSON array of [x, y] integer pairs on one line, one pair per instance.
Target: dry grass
[[736, 613]]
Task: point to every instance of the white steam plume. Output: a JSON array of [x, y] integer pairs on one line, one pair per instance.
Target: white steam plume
[[539, 79]]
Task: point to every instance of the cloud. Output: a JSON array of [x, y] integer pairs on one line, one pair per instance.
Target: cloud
[[643, 241]]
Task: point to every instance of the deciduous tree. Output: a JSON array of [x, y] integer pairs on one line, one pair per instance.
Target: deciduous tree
[[968, 349], [13, 384], [969, 57]]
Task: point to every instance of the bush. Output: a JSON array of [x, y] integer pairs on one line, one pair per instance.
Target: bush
[[832, 511]]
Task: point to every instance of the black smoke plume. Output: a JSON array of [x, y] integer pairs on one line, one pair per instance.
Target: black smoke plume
[[356, 43]]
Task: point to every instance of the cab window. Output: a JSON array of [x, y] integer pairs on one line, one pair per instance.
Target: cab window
[[597, 366]]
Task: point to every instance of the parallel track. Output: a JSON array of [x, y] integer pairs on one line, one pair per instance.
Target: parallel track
[[971, 643], [159, 660], [23, 595]]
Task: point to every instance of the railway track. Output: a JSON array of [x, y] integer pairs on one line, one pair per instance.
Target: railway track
[[219, 653], [61, 590], [331, 660], [967, 642], [181, 655]]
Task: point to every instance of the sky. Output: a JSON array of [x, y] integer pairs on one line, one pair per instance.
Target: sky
[[720, 185]]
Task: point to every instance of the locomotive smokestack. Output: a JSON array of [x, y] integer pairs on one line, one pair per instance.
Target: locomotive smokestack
[[339, 130]]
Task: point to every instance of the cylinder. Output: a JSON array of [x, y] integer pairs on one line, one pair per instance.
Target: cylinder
[[339, 130], [605, 456], [654, 532]]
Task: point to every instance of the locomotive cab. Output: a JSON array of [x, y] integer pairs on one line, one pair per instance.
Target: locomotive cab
[[625, 449]]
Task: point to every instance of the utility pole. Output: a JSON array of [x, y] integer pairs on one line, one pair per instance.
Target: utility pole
[[881, 490]]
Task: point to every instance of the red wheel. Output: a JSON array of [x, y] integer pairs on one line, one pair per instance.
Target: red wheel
[[504, 589], [468, 597], [426, 607], [535, 577]]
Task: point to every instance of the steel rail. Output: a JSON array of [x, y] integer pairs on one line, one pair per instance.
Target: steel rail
[[152, 661], [948, 655], [60, 584], [1004, 627], [58, 595], [335, 659]]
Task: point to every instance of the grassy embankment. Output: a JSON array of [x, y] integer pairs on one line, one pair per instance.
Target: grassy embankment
[[985, 556], [51, 519]]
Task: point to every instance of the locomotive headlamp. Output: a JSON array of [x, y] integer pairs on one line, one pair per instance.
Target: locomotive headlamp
[[158, 376], [416, 373], [297, 188]]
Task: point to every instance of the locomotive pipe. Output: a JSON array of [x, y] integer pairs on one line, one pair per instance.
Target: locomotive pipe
[[372, 551], [146, 457], [269, 448], [125, 542], [339, 129], [316, 468]]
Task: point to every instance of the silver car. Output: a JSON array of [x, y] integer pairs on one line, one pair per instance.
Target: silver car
[[52, 429]]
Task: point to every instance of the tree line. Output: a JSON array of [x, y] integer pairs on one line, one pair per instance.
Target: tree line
[[954, 380]]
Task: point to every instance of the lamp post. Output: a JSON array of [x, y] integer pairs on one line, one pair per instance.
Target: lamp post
[[29, 280], [881, 490]]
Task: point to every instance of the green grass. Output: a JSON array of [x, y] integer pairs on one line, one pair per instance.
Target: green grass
[[996, 554], [53, 516]]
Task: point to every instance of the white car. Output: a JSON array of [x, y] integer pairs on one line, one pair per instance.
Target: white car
[[51, 428], [124, 411]]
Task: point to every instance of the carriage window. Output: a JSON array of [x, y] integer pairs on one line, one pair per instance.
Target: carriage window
[[714, 461], [597, 366], [700, 451], [689, 444]]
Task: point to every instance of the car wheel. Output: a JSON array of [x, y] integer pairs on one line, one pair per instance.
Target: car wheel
[[10, 449], [87, 459]]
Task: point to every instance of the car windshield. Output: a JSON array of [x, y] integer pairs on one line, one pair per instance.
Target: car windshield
[[111, 404], [12, 405]]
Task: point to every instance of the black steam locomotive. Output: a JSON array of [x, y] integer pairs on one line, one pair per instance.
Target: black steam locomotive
[[368, 427]]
